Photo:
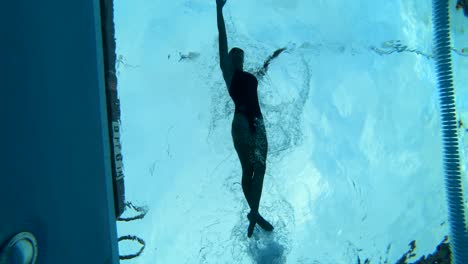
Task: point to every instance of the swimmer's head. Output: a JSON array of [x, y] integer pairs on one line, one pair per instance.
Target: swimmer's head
[[460, 4], [237, 58]]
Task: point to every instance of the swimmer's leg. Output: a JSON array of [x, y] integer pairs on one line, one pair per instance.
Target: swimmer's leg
[[257, 186], [259, 166], [247, 173], [243, 145], [247, 185]]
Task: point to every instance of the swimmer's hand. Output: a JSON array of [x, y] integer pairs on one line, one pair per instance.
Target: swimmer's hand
[[220, 3]]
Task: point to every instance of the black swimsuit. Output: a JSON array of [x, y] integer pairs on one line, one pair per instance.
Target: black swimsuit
[[243, 91]]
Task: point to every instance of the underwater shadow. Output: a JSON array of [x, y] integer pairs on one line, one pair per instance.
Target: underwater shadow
[[266, 249]]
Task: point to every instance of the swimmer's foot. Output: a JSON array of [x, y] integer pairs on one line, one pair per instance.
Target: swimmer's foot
[[251, 227], [264, 224]]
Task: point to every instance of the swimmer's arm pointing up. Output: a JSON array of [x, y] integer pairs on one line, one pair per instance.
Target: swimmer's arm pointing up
[[223, 45]]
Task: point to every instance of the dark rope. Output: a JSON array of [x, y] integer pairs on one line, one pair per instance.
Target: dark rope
[[142, 211], [132, 238]]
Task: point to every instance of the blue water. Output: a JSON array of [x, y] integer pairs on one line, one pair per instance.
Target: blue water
[[354, 167]]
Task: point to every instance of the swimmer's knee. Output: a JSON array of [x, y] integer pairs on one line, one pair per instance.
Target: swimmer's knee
[[259, 164], [246, 182], [259, 168], [247, 175]]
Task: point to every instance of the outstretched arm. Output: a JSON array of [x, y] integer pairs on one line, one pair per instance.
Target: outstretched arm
[[223, 45]]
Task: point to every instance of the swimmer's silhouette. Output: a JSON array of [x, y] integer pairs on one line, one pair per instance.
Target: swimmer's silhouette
[[248, 130]]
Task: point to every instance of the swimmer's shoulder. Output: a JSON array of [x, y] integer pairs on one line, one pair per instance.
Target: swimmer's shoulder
[[251, 78]]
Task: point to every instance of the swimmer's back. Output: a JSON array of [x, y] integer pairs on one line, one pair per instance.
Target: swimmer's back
[[243, 91]]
